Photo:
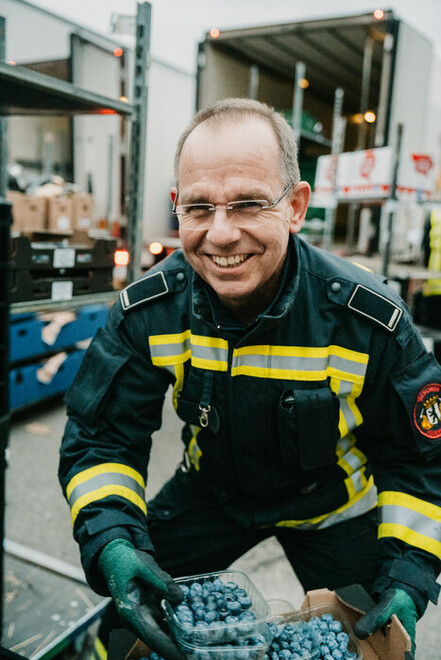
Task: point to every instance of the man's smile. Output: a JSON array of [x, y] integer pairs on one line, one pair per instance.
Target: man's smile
[[229, 262]]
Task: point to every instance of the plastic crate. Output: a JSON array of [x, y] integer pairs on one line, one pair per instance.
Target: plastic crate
[[27, 254], [26, 333], [28, 286], [26, 389]]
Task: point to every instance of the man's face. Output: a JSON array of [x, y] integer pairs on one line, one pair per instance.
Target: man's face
[[238, 160]]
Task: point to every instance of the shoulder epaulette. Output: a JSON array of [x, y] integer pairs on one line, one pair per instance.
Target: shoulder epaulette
[[375, 307], [143, 290]]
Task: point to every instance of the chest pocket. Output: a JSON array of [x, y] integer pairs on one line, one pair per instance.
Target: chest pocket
[[308, 427]]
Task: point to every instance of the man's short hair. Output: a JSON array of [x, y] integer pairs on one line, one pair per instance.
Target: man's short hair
[[238, 109]]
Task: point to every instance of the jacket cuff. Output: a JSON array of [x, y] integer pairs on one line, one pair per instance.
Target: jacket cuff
[[408, 576], [91, 549]]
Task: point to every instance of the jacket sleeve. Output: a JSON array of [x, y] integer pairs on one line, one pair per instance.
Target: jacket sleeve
[[403, 440], [113, 407]]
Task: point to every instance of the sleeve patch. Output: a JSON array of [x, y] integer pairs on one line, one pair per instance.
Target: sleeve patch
[[427, 411], [375, 307], [143, 290]]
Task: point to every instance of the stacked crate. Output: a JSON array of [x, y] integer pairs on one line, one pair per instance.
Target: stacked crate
[[44, 362], [44, 268]]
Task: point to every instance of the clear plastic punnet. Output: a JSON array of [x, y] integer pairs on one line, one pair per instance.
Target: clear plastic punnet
[[223, 616]]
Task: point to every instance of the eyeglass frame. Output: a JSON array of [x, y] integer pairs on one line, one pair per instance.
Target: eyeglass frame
[[213, 207]]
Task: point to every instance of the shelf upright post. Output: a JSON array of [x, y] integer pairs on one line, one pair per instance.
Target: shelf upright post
[[387, 235], [5, 222], [3, 136], [338, 138], [297, 101], [138, 141]]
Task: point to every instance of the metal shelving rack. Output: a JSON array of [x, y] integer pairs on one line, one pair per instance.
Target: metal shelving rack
[[27, 92]]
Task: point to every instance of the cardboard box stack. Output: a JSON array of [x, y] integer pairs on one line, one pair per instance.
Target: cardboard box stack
[[29, 213], [56, 213]]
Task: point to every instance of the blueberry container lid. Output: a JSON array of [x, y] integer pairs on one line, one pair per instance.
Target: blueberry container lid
[[219, 608]]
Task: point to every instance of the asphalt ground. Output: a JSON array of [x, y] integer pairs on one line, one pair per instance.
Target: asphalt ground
[[37, 517]]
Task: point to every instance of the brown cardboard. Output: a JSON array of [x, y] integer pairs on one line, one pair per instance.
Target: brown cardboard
[[59, 214], [389, 645], [82, 211], [28, 213]]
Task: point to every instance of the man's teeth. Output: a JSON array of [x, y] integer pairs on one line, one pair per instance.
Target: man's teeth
[[230, 261]]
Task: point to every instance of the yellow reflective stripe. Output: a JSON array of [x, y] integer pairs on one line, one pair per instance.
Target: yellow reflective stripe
[[410, 536], [354, 409], [396, 498], [100, 649], [432, 288], [211, 342], [319, 519], [167, 360], [178, 338], [435, 241], [362, 266], [106, 491], [213, 365], [194, 452], [169, 350], [268, 370], [179, 384], [103, 468]]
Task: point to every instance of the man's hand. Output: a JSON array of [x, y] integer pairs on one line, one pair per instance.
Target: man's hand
[[392, 601], [137, 584]]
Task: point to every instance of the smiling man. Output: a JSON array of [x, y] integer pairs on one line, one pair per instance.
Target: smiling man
[[302, 384]]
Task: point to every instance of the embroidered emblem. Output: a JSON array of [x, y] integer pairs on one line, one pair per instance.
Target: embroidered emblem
[[427, 411]]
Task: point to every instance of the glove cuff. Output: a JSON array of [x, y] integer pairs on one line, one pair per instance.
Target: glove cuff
[[409, 577], [105, 557]]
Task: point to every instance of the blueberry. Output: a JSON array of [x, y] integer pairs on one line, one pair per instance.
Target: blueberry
[[327, 617], [285, 655], [335, 626]]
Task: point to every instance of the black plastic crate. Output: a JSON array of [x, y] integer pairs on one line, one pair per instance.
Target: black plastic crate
[[28, 286], [28, 254]]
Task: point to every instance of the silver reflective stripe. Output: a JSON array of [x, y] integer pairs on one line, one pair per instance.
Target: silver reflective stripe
[[204, 352], [274, 362], [347, 413], [363, 505], [415, 521], [106, 479], [353, 460]]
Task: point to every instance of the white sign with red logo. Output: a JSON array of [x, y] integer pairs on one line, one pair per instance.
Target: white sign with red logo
[[368, 175], [416, 177], [365, 174], [324, 195]]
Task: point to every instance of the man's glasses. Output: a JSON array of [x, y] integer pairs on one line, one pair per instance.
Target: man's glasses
[[243, 213]]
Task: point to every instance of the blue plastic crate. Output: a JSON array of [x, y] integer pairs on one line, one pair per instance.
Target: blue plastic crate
[[26, 389], [26, 339]]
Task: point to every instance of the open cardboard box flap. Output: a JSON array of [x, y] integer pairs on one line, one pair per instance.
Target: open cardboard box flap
[[391, 644]]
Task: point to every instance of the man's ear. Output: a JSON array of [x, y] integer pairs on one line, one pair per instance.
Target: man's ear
[[173, 194], [299, 206]]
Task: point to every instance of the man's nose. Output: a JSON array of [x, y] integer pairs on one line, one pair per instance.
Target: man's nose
[[222, 229]]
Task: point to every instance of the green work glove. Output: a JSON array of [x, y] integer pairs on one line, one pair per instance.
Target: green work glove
[[392, 601], [137, 584]]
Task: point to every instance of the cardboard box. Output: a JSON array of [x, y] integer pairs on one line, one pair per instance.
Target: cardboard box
[[82, 212], [59, 214], [28, 213], [393, 644]]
